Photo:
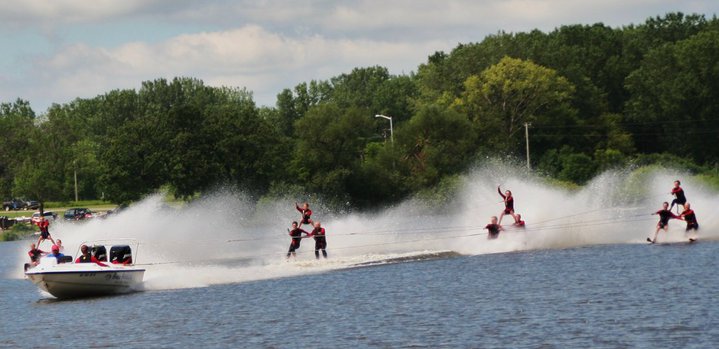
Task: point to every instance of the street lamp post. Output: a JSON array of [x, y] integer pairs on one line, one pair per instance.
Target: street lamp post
[[526, 138], [391, 130]]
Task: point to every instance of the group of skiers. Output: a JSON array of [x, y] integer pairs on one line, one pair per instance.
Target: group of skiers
[[494, 226], [318, 232], [665, 214], [687, 214]]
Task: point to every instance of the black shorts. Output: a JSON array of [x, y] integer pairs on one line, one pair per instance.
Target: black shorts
[[306, 220], [662, 225], [295, 244], [679, 201], [320, 244], [44, 234], [508, 210], [692, 226]]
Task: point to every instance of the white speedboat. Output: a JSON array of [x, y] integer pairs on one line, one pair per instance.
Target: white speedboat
[[63, 278]]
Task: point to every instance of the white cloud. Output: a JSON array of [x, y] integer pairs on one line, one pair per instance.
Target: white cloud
[[87, 48], [252, 57], [57, 12]]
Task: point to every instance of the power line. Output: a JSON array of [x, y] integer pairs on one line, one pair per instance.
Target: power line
[[636, 123]]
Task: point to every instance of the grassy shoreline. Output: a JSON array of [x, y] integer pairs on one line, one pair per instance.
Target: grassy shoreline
[[17, 232], [60, 207]]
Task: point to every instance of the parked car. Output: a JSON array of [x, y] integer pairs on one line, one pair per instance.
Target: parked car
[[20, 204], [32, 204], [78, 214], [49, 215], [14, 204]]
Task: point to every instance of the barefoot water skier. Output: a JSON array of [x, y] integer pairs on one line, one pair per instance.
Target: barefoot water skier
[[508, 204], [296, 234], [306, 214], [690, 217], [493, 228], [680, 198], [519, 223], [664, 216], [318, 233]]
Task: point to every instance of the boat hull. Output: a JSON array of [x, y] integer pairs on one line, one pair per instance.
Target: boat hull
[[74, 284]]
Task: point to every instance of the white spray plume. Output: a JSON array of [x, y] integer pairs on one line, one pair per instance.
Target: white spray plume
[[223, 238]]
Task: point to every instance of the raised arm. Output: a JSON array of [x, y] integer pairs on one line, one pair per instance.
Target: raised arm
[[500, 193]]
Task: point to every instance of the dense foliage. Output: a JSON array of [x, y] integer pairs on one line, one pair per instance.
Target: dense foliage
[[593, 97]]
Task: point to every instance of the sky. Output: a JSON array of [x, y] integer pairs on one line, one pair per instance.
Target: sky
[[54, 51]]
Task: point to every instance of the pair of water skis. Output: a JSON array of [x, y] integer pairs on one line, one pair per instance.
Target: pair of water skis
[[690, 241]]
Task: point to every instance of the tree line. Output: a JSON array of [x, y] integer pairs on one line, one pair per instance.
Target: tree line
[[594, 97]]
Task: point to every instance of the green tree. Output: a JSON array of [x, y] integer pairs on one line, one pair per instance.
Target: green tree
[[435, 142], [247, 149], [675, 99], [330, 146], [568, 165], [506, 95], [16, 129]]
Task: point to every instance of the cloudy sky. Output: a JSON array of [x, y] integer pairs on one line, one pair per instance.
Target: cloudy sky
[[56, 50]]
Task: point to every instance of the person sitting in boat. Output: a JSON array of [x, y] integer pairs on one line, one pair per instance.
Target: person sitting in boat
[[86, 257], [120, 255], [57, 254], [519, 223], [35, 254]]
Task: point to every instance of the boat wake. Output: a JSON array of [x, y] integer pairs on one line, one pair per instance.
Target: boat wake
[[224, 238]]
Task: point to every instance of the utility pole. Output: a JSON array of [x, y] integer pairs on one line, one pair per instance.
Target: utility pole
[[75, 163], [526, 138]]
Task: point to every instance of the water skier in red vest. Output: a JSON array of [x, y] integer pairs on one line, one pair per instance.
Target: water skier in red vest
[[519, 223], [690, 217], [508, 204], [296, 234], [680, 198], [493, 228], [306, 213], [664, 216], [319, 234]]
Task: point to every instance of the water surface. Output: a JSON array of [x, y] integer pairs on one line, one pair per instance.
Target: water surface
[[607, 296]]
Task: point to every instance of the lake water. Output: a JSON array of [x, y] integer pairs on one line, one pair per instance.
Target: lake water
[[606, 296], [580, 276]]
